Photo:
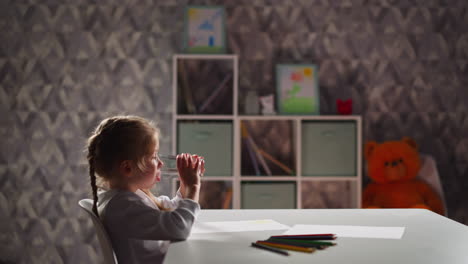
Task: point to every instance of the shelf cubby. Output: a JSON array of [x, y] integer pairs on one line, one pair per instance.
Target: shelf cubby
[[268, 148], [329, 148], [214, 194], [268, 195], [328, 194], [205, 84], [211, 139]]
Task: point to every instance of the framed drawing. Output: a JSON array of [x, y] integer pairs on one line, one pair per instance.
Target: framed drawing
[[297, 89], [205, 29]]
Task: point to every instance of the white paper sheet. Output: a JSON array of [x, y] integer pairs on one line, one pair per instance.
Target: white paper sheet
[[349, 231], [237, 226]]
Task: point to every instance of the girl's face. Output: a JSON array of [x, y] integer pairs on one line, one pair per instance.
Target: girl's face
[[155, 166], [152, 174]]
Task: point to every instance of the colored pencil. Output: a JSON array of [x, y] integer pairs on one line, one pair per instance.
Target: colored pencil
[[294, 243], [272, 249], [295, 248], [303, 243], [275, 161], [191, 108], [227, 199], [259, 156], [308, 237], [252, 157], [245, 134], [215, 93]]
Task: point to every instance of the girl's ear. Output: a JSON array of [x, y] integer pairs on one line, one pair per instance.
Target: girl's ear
[[126, 168]]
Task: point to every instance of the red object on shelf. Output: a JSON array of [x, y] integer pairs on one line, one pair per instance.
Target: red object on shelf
[[344, 107]]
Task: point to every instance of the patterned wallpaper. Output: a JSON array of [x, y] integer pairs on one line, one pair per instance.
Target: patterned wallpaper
[[65, 65]]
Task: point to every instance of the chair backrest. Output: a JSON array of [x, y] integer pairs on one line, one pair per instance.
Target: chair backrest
[[106, 245], [430, 174]]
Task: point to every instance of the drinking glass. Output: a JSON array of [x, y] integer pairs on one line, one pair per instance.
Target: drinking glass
[[170, 165]]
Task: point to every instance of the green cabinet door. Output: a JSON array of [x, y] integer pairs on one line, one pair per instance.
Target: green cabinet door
[[260, 195], [211, 140], [329, 148]]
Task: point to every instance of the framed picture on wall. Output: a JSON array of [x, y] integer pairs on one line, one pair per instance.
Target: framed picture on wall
[[297, 89], [205, 29]]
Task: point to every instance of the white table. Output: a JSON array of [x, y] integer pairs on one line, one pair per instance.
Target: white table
[[428, 238]]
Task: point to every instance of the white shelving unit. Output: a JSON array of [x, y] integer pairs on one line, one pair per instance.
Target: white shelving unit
[[236, 179]]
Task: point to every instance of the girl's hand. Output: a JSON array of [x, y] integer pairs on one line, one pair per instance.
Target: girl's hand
[[202, 159], [190, 169], [202, 171]]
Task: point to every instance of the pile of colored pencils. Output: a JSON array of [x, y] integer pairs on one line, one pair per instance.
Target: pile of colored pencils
[[303, 243]]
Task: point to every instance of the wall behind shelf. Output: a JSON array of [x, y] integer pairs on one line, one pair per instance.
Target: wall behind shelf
[[65, 66]]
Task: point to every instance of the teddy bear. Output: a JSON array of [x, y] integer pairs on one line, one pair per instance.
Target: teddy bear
[[393, 167]]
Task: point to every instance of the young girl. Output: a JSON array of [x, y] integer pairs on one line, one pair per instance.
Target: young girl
[[123, 154]]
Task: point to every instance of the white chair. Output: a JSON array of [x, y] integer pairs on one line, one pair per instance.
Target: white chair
[[106, 246], [430, 174]]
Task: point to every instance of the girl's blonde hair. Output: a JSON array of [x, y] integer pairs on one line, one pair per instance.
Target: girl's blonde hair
[[117, 139]]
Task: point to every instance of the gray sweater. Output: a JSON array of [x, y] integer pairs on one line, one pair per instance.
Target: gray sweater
[[138, 230]]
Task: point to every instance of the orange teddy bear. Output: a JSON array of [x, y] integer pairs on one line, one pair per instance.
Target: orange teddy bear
[[393, 167]]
